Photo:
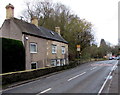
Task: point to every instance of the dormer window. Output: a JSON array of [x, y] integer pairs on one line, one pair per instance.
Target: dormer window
[[52, 32]]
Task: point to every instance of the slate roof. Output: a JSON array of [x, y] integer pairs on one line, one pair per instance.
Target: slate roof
[[31, 29]]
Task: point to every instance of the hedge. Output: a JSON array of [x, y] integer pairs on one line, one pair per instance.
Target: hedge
[[13, 55], [31, 74], [10, 78]]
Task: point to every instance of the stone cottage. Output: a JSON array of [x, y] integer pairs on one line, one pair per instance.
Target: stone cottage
[[43, 47]]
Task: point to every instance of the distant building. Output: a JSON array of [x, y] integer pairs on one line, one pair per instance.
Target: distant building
[[43, 47]]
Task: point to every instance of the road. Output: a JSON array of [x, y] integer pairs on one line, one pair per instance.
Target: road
[[86, 78]]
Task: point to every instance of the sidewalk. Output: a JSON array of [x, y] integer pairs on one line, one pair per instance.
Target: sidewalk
[[112, 86], [115, 82]]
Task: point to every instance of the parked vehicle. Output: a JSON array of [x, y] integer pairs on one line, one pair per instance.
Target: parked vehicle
[[118, 58], [110, 58], [114, 58]]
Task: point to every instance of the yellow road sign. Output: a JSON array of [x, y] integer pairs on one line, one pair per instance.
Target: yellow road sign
[[78, 46]]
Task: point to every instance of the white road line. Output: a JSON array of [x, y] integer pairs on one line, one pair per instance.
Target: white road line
[[104, 84], [76, 76], [93, 68], [107, 79], [115, 66], [44, 91]]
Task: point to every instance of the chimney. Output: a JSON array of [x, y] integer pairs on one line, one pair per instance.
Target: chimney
[[34, 20], [57, 29], [9, 11]]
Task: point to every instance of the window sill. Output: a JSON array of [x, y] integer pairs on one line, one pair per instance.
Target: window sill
[[33, 52], [54, 53]]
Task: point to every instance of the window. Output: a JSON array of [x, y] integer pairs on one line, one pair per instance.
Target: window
[[63, 49], [52, 33], [33, 48], [54, 49], [34, 65], [53, 62], [58, 63], [62, 62]]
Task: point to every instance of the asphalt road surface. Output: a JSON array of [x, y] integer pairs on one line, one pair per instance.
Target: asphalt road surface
[[86, 78]]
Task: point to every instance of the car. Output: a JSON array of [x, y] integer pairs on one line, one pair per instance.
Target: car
[[110, 58], [118, 58]]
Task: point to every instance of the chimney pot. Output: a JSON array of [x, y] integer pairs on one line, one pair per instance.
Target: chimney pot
[[9, 11], [34, 20], [57, 29]]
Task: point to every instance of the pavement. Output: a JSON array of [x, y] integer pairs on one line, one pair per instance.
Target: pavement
[[113, 88], [86, 78], [113, 83]]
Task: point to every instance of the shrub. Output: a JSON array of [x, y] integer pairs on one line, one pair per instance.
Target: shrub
[[13, 55]]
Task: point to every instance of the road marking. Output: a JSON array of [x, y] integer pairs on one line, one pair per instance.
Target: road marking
[[115, 67], [104, 84], [107, 79], [76, 76], [93, 68], [110, 77], [44, 91]]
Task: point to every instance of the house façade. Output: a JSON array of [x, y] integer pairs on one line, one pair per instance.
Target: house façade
[[43, 47]]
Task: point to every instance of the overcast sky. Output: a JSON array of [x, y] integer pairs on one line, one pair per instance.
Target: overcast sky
[[103, 14]]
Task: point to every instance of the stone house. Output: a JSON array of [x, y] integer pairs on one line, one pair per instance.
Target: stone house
[[43, 47]]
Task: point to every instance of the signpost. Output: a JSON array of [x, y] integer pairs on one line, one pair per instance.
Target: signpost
[[78, 47], [78, 50]]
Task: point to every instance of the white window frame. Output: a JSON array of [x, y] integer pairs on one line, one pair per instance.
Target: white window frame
[[36, 47], [63, 49], [34, 63], [54, 49], [55, 62], [62, 62]]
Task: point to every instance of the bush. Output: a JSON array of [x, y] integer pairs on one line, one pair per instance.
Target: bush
[[13, 55]]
